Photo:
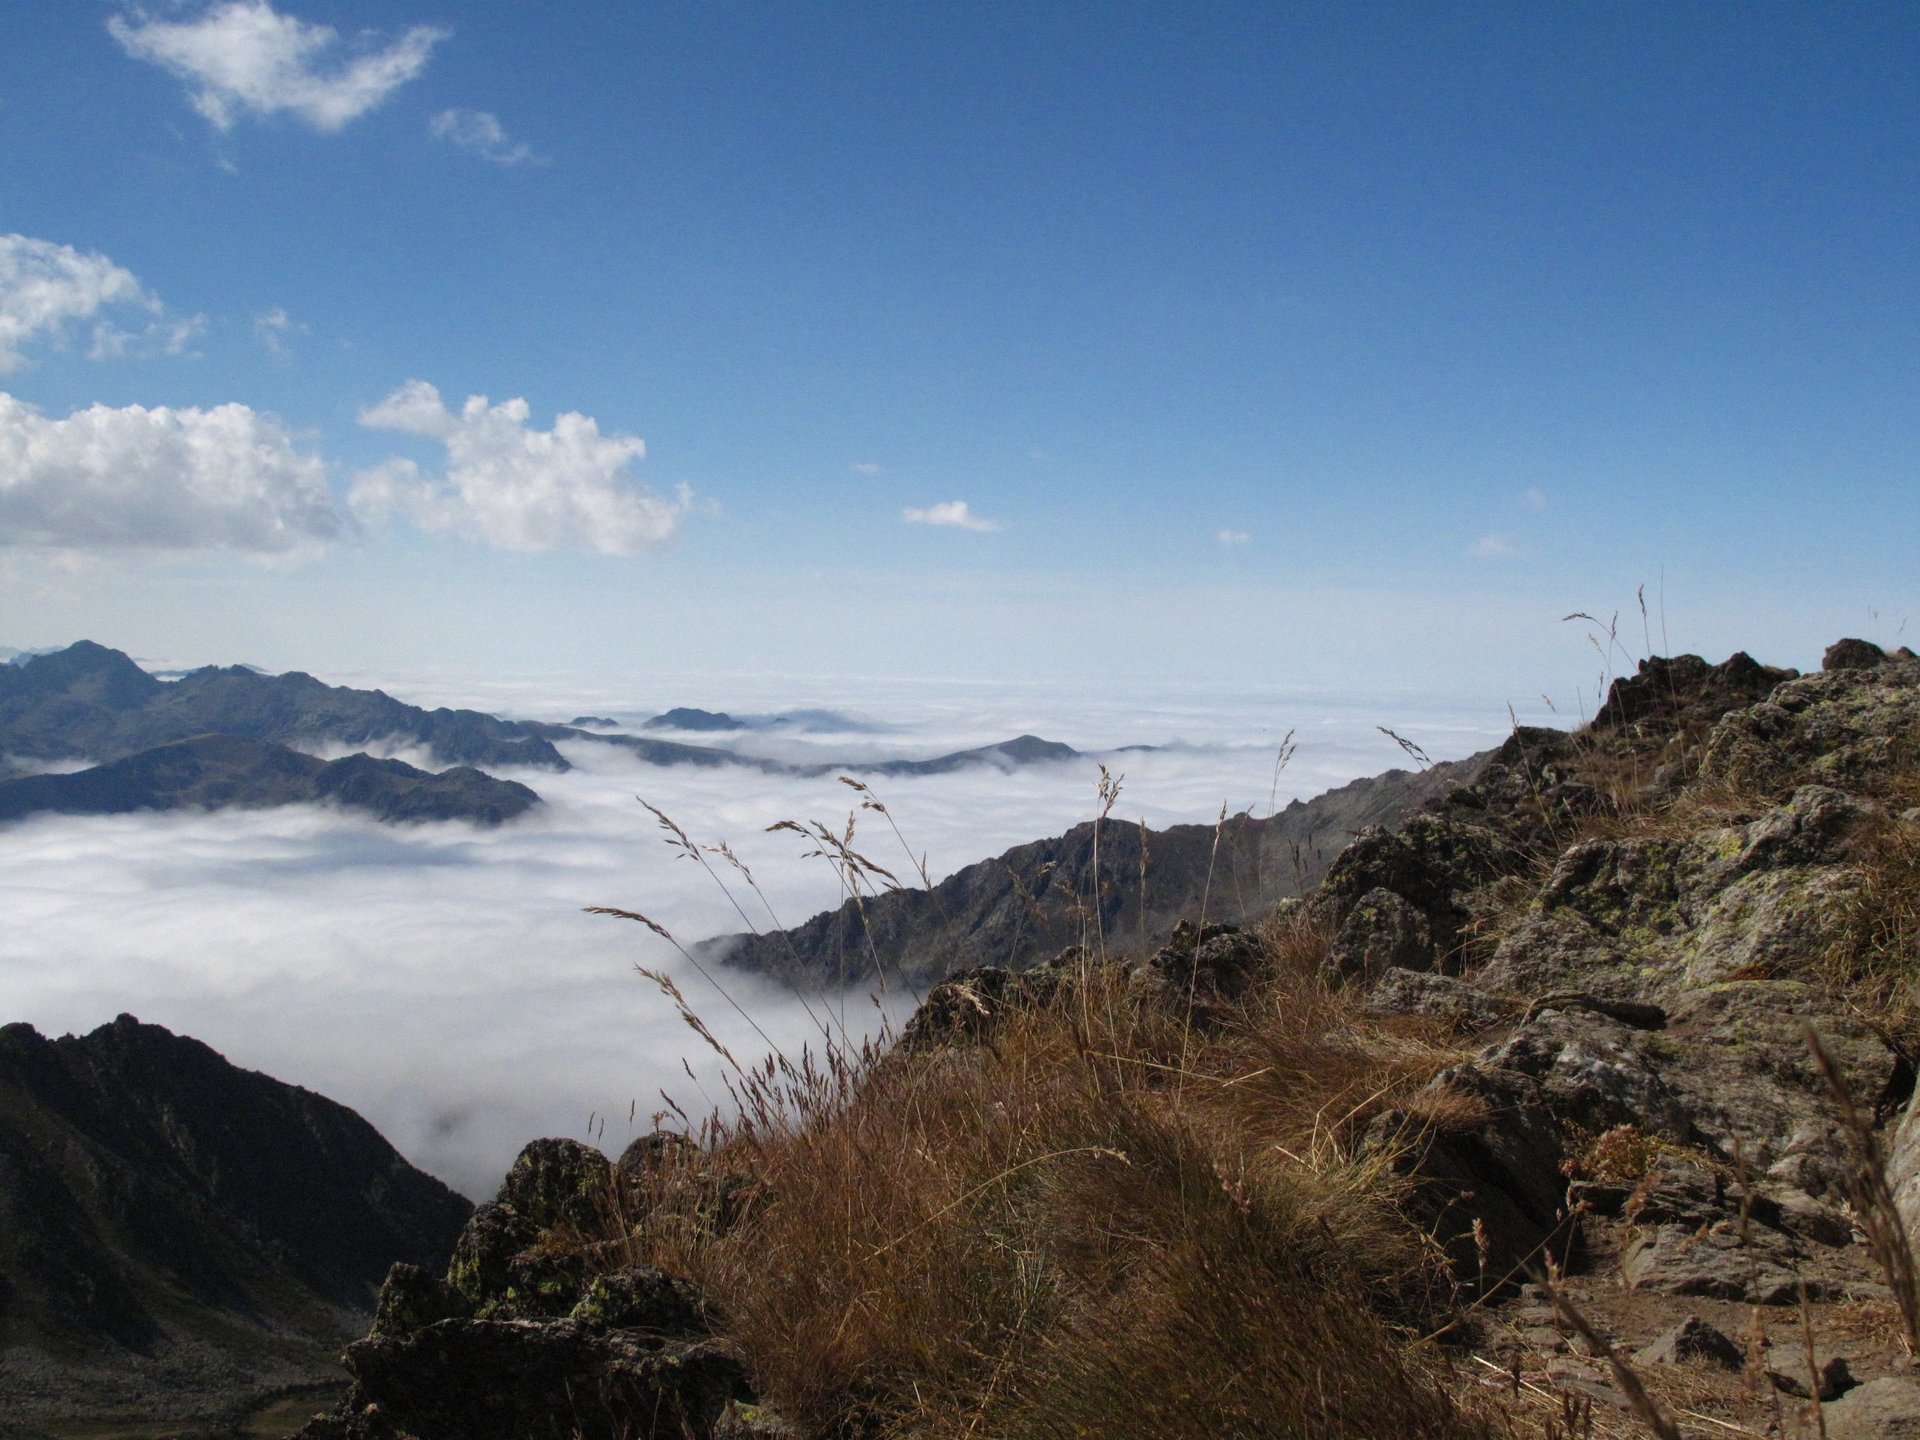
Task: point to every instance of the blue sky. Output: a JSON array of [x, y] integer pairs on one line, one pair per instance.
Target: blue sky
[[1345, 345]]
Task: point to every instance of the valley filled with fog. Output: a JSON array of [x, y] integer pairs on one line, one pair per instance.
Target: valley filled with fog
[[443, 979]]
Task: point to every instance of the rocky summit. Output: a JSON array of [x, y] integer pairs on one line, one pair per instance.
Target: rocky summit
[[1579, 1104]]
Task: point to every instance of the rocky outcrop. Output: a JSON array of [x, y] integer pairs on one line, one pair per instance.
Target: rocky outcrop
[[1692, 1339], [1488, 1188], [1197, 967], [179, 1236], [530, 1335], [1674, 698], [970, 1005], [1843, 727], [219, 772], [1659, 915], [1903, 1166], [1381, 931], [1646, 993], [1884, 1409], [1203, 963]]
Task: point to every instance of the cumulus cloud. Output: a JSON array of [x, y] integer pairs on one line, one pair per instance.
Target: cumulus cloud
[[228, 478], [481, 132], [1232, 537], [512, 486], [243, 56], [1494, 547], [952, 513], [47, 288]]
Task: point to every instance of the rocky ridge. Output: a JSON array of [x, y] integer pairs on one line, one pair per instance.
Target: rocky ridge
[[1021, 908]]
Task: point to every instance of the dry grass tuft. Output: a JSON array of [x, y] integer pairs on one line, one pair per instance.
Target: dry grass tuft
[[1877, 959], [1110, 1217], [1297, 939]]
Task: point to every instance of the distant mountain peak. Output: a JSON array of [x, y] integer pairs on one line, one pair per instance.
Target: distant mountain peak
[[89, 672], [685, 717]]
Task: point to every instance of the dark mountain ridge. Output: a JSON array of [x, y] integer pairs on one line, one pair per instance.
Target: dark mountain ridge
[[686, 717], [1024, 906], [177, 1233], [218, 771], [692, 718]]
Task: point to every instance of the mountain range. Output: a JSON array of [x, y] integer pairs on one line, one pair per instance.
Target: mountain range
[[217, 771], [693, 719], [233, 735], [88, 700]]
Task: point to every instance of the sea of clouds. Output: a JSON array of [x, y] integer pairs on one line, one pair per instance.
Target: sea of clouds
[[444, 980]]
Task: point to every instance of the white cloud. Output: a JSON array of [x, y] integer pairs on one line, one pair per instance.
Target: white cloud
[[1232, 537], [46, 287], [1534, 498], [272, 329], [228, 478], [244, 56], [1494, 547], [869, 469], [949, 512], [512, 486], [481, 132], [157, 337]]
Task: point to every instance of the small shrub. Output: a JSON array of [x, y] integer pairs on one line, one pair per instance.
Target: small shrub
[[1624, 1155]]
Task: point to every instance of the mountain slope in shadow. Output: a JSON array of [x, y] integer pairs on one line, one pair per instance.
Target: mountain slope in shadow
[[179, 1235]]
